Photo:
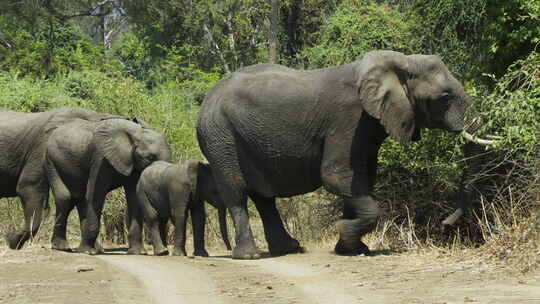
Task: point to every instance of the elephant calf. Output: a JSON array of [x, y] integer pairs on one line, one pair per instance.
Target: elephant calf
[[166, 191]]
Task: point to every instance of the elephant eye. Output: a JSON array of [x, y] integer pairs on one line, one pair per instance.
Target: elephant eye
[[445, 97]]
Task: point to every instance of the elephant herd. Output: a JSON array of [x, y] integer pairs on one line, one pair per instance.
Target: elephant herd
[[266, 130]]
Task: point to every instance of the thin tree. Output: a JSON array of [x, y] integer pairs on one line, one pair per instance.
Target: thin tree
[[273, 36]]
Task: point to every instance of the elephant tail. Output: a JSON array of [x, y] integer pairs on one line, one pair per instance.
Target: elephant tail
[[222, 213]]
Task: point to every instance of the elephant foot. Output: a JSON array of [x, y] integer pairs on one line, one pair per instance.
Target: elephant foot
[[16, 240], [358, 249], [161, 251], [61, 245], [88, 250], [245, 253], [201, 253], [136, 251], [99, 248], [350, 232], [285, 247]]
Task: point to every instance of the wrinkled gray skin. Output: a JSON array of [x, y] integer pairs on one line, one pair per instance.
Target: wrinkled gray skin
[[86, 160], [23, 138], [167, 191], [270, 131]]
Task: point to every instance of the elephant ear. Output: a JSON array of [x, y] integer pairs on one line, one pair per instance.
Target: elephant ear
[[115, 139], [383, 93]]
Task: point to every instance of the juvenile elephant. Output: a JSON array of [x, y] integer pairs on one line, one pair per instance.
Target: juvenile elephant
[[168, 190], [270, 131], [23, 138], [86, 160]]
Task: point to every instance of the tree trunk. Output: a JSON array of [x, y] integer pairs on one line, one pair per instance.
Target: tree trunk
[[273, 43]]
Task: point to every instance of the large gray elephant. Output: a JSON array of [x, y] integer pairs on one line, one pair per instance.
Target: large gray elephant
[[167, 191], [23, 138], [86, 160], [270, 131]]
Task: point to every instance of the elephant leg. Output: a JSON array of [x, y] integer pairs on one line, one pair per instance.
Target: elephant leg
[[225, 163], [64, 205], [91, 219], [198, 220], [279, 241], [178, 218], [63, 209], [90, 224], [245, 244], [34, 196], [359, 217], [33, 208], [81, 209], [235, 199], [154, 223], [135, 222], [156, 237], [163, 231]]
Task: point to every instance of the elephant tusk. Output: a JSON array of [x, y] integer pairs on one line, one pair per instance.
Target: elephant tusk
[[480, 141], [452, 218], [494, 137]]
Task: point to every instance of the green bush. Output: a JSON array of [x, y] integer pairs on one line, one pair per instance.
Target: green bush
[[356, 28], [47, 48], [512, 109]]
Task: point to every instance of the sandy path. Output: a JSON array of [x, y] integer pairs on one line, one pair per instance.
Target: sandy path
[[41, 275], [314, 283], [167, 279]]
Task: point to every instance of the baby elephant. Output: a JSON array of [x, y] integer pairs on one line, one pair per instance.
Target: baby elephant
[[167, 191]]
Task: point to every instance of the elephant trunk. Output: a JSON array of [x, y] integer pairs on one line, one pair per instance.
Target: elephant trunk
[[222, 213]]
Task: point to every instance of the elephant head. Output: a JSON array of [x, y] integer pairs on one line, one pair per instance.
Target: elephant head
[[205, 188], [127, 145], [407, 93]]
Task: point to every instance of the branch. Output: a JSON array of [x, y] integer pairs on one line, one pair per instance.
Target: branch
[[216, 46], [89, 12]]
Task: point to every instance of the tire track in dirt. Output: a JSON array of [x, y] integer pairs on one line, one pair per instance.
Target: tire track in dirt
[[167, 279], [314, 283]]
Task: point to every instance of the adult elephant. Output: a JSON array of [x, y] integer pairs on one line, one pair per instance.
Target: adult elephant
[[86, 160], [23, 138], [270, 131]]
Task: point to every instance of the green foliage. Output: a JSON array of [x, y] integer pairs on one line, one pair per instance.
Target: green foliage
[[512, 110], [451, 29], [356, 28], [224, 33], [47, 49], [512, 32]]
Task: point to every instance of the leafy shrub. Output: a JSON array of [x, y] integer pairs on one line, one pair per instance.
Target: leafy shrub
[[356, 28], [47, 48]]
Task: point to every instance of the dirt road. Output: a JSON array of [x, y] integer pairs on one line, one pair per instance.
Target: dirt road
[[39, 275]]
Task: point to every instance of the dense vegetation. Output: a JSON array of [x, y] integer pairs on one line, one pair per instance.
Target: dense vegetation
[[156, 60]]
